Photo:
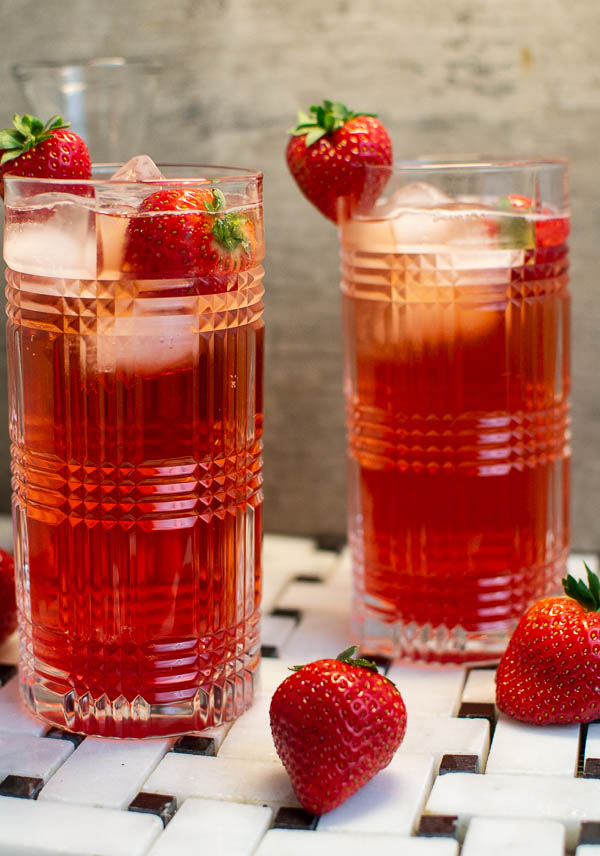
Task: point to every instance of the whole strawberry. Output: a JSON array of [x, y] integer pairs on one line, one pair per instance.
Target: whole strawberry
[[550, 671], [328, 151], [335, 724], [8, 609], [185, 232], [34, 150]]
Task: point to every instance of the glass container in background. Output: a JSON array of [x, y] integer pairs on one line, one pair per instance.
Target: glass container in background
[[456, 324], [107, 100], [135, 404]]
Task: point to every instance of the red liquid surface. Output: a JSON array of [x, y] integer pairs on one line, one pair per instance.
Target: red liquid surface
[[457, 387], [136, 461]]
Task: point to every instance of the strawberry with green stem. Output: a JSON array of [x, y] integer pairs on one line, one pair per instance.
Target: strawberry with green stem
[[328, 151], [33, 149], [550, 671], [335, 724], [187, 232]]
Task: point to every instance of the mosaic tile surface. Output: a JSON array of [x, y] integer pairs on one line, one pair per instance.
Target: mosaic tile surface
[[465, 781]]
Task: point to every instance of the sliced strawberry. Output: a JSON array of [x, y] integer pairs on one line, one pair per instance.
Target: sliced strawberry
[[34, 150], [185, 232]]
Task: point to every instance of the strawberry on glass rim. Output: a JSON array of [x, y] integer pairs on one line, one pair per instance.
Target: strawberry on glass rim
[[33, 149], [329, 150], [335, 724], [550, 671], [549, 231], [186, 232]]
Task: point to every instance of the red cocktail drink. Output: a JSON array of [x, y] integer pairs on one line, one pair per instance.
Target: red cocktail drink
[[136, 423], [456, 322]]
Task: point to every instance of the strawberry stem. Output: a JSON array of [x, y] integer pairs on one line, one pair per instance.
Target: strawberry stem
[[587, 595], [323, 119]]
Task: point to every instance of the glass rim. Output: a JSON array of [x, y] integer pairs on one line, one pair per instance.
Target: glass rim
[[222, 174], [23, 69], [471, 162]]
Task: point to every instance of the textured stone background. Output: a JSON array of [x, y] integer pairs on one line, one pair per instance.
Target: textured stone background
[[517, 76]]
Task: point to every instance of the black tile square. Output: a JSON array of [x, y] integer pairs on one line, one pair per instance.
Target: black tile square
[[589, 832], [438, 826], [25, 787], [269, 651], [308, 578], [282, 612], [479, 710], [162, 805], [59, 734], [294, 818], [330, 541], [459, 764], [591, 769], [191, 745], [7, 671]]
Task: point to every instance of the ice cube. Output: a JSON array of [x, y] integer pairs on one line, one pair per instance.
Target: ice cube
[[146, 345], [418, 194], [54, 237], [138, 168]]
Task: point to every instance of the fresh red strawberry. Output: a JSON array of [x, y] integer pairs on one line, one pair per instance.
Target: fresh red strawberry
[[549, 231], [35, 150], [550, 671], [335, 724], [8, 609], [182, 232], [328, 151]]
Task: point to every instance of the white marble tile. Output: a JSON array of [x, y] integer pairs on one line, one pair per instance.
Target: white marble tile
[[440, 735], [222, 779], [105, 772], [587, 850], [297, 842], [250, 735], [275, 630], [25, 755], [272, 672], [592, 742], [566, 800], [320, 634], [34, 828], [218, 828], [391, 802], [480, 686], [494, 837], [429, 689], [332, 596], [283, 558], [518, 747], [13, 716]]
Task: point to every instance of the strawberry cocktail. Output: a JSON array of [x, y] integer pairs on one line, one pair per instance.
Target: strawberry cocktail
[[456, 326], [135, 342]]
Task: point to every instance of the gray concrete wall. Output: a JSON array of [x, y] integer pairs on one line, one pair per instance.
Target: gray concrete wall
[[503, 76]]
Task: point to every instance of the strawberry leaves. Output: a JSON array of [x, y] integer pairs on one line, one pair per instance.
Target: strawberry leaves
[[26, 133], [324, 119], [587, 595]]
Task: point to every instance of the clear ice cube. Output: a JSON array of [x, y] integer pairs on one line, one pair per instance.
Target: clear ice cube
[[53, 237], [138, 168]]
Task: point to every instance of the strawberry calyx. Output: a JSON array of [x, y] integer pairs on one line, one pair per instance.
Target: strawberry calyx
[[27, 133], [323, 119], [586, 595], [347, 656], [229, 232]]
